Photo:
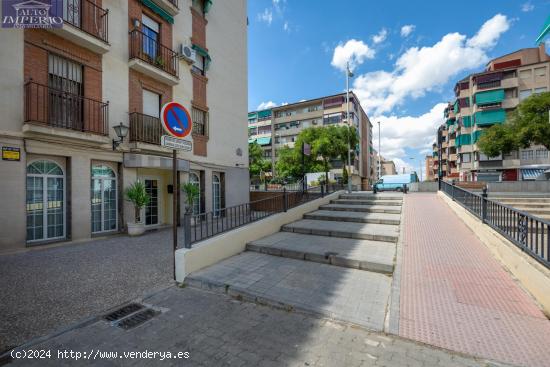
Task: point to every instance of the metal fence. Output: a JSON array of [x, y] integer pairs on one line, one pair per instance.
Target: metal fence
[[528, 232], [198, 227]]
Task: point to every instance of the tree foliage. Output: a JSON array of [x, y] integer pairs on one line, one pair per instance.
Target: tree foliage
[[257, 162], [527, 125], [327, 143]]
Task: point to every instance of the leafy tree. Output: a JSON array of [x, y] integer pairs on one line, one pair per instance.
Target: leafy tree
[[257, 162], [527, 125]]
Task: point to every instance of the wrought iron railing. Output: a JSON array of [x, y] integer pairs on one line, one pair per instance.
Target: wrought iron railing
[[153, 52], [200, 226], [145, 128], [528, 232], [88, 17], [56, 108]]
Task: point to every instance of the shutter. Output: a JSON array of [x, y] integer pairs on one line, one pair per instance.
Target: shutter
[[151, 103]]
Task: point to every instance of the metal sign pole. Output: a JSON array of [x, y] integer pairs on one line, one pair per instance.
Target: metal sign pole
[[175, 206]]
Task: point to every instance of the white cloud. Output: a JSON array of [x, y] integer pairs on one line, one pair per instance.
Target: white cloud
[[354, 51], [406, 30], [412, 132], [490, 31], [286, 27], [380, 37], [527, 7], [266, 105], [421, 70], [400, 164], [266, 16]]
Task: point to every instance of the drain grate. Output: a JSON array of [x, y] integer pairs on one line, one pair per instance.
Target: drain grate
[[137, 319], [123, 312]]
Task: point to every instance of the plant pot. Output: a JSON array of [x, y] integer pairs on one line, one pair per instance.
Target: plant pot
[[135, 229]]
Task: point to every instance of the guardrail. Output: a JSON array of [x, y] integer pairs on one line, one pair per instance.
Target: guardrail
[[528, 232], [198, 227]]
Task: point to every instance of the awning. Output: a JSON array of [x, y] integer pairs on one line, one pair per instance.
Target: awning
[[158, 10], [264, 141], [207, 6], [251, 140], [544, 31], [201, 51], [531, 173]]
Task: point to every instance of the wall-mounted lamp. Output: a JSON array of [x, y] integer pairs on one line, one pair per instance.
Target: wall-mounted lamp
[[121, 131], [137, 23]]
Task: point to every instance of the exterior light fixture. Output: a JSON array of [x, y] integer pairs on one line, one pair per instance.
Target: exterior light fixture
[[121, 132]]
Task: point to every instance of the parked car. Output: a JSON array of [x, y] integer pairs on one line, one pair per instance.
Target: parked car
[[394, 182]]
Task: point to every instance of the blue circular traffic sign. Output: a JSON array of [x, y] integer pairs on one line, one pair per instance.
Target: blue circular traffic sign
[[176, 119]]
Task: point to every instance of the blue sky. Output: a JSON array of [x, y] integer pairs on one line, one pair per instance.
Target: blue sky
[[407, 56]]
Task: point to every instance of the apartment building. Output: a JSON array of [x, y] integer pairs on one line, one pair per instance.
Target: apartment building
[[482, 100], [429, 168], [69, 93], [277, 127]]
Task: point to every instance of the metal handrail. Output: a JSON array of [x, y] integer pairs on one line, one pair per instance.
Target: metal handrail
[[164, 58]]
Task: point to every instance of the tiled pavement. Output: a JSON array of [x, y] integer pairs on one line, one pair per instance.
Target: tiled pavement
[[455, 295], [219, 331]]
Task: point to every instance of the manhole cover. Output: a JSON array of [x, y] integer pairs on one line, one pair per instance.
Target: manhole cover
[[123, 312], [137, 319]]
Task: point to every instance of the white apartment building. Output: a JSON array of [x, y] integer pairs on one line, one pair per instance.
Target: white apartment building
[[117, 62]]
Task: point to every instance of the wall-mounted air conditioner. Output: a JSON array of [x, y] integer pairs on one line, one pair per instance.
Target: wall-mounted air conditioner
[[188, 54]]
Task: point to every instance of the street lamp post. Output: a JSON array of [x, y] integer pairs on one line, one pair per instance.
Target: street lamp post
[[349, 74]]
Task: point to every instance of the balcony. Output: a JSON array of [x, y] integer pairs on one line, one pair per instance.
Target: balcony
[[509, 103], [145, 129], [47, 108], [169, 6], [85, 24], [151, 58], [452, 157]]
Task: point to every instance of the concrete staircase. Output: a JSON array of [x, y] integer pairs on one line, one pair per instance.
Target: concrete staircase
[[537, 206], [337, 262]]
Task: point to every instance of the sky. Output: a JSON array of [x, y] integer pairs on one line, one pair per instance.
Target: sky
[[406, 57]]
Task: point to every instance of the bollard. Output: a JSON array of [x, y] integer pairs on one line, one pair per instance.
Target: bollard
[[187, 230], [484, 205]]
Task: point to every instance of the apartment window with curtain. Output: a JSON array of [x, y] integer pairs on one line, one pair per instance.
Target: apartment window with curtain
[[199, 65], [151, 103], [151, 31]]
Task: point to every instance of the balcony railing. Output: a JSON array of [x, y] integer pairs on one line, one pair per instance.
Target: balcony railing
[[56, 108], [145, 128], [149, 50], [88, 17]]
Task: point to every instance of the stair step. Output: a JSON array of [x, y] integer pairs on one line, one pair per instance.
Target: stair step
[[372, 196], [390, 209], [367, 202], [523, 204], [314, 288], [365, 231], [346, 252], [358, 217]]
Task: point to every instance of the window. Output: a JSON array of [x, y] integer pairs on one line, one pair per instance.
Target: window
[[199, 65], [525, 74], [45, 201], [541, 153], [540, 90], [216, 195], [198, 5], [194, 179], [200, 121], [151, 103], [151, 30], [527, 154], [524, 94], [314, 108], [66, 89], [540, 72], [103, 199], [333, 118], [466, 157]]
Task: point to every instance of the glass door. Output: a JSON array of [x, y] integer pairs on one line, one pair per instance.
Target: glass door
[[104, 199], [152, 209], [216, 195], [45, 201]]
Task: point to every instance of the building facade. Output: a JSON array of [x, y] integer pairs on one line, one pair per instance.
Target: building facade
[[277, 127], [482, 100], [429, 168], [117, 62]]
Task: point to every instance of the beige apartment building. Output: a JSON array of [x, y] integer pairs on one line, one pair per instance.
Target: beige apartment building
[[117, 62], [277, 127], [482, 100], [429, 168]]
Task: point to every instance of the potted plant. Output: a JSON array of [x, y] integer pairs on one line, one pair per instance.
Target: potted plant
[[191, 191], [137, 194]]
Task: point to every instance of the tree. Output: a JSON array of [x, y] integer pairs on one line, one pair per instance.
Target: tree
[[527, 125], [256, 161]]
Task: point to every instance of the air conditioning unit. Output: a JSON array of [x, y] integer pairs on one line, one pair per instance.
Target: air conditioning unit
[[188, 54]]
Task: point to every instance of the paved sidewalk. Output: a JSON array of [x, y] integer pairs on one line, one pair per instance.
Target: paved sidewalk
[[455, 295], [219, 331]]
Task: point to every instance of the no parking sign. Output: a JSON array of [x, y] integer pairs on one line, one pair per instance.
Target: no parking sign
[[177, 122]]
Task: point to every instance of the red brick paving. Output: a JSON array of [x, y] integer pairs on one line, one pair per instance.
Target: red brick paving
[[455, 295]]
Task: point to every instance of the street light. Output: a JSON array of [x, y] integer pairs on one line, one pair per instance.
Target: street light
[[349, 74], [121, 132]]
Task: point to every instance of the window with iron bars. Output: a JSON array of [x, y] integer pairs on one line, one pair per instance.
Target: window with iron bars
[[200, 121]]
